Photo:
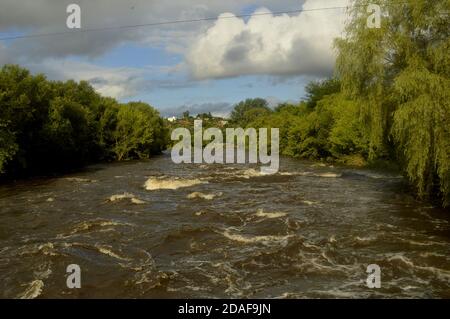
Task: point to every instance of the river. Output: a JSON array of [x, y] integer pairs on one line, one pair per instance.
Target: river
[[153, 229]]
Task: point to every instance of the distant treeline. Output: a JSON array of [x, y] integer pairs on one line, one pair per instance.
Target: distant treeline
[[48, 126]]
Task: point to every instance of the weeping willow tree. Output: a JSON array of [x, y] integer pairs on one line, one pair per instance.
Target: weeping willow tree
[[399, 76]]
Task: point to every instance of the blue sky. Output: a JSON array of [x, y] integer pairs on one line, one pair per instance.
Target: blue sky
[[192, 92], [204, 66]]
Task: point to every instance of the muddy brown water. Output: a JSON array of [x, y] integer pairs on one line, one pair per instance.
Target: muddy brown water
[[153, 229]]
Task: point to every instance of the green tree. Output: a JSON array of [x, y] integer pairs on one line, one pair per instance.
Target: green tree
[[8, 146], [139, 132], [317, 90], [246, 111], [186, 115], [292, 109], [399, 75], [107, 123], [48, 126], [348, 135], [24, 102], [68, 139]]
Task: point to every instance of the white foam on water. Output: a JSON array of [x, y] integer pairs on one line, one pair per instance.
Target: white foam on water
[[265, 240], [126, 196], [261, 213], [440, 273], [47, 249], [323, 175], [89, 225], [33, 291], [252, 173], [409, 287], [432, 254], [290, 173], [289, 295], [200, 195], [137, 201], [107, 251], [328, 175], [119, 197], [323, 264], [172, 184], [308, 245], [247, 174], [422, 243], [366, 239], [41, 273]]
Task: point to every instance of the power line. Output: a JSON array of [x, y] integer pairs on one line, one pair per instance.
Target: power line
[[278, 13], [167, 23]]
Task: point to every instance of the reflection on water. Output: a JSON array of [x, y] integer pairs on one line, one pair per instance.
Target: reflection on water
[[156, 229]]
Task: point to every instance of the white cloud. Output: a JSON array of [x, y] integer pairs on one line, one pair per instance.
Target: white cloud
[[284, 45], [49, 16], [118, 83], [268, 44]]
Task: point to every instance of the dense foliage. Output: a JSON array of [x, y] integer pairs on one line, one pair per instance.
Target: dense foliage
[[245, 111], [50, 126], [323, 126], [399, 74], [187, 121], [389, 100]]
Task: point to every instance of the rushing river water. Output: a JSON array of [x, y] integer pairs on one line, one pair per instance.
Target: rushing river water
[[155, 229]]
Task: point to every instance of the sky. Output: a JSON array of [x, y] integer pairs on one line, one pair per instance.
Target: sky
[[202, 66]]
